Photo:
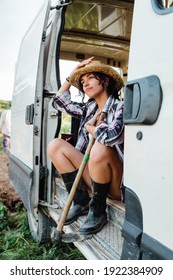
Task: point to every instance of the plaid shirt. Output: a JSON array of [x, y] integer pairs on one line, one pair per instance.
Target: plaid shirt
[[109, 133]]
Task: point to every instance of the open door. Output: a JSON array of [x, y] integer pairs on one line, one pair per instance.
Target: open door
[[27, 170]]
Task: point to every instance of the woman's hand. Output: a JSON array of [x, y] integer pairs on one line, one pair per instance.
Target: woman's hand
[[66, 85], [97, 119], [82, 64], [94, 119]]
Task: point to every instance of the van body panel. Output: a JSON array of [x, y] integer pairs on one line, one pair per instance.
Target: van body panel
[[148, 164], [25, 88]]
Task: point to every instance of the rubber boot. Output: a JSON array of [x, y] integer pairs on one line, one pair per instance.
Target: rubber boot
[[97, 216], [81, 198]]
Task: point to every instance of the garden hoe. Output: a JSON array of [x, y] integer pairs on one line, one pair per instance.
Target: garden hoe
[[57, 234]]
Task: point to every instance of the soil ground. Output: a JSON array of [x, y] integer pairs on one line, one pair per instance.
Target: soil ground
[[7, 193]]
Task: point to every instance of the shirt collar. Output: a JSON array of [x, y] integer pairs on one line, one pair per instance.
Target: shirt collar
[[108, 104]]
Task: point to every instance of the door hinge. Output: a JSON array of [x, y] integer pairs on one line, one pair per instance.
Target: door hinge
[[62, 4], [36, 130], [44, 36]]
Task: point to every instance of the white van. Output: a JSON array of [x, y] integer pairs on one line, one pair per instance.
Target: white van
[[136, 37]]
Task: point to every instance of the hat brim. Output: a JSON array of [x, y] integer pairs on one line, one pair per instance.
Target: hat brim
[[100, 68]]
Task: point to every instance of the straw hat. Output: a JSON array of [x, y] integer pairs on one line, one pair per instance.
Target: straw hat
[[96, 66]]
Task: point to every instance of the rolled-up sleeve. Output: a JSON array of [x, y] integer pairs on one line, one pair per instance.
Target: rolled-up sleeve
[[63, 103]]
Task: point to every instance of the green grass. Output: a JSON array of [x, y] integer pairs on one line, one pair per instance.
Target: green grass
[[4, 105], [16, 242], [66, 123]]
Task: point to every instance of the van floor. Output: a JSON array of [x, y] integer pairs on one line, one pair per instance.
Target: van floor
[[104, 245]]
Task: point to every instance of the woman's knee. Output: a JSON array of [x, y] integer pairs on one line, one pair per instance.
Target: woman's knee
[[99, 153], [53, 147]]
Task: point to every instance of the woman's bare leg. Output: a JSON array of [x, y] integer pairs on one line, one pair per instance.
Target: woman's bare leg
[[66, 158], [105, 166]]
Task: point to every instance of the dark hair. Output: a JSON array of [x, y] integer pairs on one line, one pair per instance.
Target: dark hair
[[110, 86]]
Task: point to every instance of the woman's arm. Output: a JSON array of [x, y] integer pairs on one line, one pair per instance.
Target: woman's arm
[[90, 126], [62, 100], [66, 86], [112, 133]]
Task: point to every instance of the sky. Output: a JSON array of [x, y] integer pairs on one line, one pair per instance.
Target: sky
[[15, 18]]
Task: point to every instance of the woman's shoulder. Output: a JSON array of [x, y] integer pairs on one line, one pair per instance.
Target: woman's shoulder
[[116, 102]]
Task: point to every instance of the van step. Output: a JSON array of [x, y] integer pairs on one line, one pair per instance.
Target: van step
[[106, 244]]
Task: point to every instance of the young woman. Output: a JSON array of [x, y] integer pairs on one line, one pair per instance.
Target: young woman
[[102, 176]]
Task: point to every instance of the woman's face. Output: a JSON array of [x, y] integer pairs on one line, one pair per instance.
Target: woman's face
[[91, 85]]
